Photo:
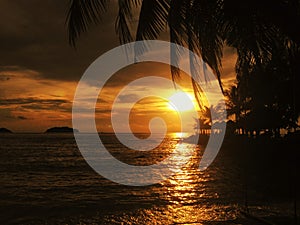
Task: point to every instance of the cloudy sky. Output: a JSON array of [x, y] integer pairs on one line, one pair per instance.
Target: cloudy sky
[[39, 71]]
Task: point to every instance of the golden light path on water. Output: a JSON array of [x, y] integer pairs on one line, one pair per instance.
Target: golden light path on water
[[185, 189], [186, 196]]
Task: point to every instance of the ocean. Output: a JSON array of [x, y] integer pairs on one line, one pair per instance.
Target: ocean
[[45, 180]]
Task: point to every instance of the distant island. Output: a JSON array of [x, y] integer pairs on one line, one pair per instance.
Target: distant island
[[4, 130], [61, 130]]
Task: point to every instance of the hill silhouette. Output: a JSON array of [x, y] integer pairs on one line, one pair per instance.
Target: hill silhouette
[[61, 130], [5, 130]]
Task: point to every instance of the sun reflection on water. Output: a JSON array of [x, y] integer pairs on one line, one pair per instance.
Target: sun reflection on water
[[179, 135], [187, 195]]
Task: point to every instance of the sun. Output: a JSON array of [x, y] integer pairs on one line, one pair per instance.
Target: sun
[[181, 102]]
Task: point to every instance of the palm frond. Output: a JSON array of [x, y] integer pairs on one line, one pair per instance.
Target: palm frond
[[82, 14], [122, 25], [178, 31], [206, 16], [153, 19]]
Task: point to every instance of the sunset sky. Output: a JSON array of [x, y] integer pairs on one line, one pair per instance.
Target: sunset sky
[[39, 71]]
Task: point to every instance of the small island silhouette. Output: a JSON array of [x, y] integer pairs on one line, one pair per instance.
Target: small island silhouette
[[5, 130], [61, 130]]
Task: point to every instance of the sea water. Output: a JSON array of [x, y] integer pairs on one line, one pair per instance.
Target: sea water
[[45, 180]]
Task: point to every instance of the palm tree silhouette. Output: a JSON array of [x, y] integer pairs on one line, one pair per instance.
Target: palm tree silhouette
[[256, 29]]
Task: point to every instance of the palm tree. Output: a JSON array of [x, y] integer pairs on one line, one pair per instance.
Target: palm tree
[[255, 28], [264, 96]]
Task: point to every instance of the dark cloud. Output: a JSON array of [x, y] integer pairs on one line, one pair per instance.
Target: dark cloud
[[6, 114], [127, 98], [22, 118], [15, 74], [54, 107], [137, 71], [33, 35], [5, 77], [22, 101], [24, 104]]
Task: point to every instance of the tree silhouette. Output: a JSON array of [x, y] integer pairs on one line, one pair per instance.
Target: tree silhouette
[[252, 27], [264, 98], [264, 33]]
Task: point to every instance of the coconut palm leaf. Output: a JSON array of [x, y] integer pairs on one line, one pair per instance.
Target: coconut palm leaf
[[125, 18], [82, 14], [206, 20], [122, 25], [179, 27], [152, 19]]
